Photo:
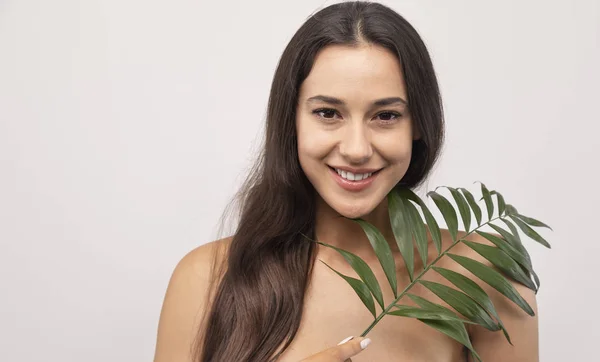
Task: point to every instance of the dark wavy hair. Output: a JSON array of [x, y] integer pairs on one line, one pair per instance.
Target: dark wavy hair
[[258, 301]]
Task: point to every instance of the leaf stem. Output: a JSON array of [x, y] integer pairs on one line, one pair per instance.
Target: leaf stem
[[418, 277]]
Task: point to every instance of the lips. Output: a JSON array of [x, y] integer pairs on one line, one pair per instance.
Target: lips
[[353, 176], [356, 185]]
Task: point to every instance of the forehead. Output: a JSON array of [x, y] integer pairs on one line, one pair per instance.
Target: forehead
[[354, 73]]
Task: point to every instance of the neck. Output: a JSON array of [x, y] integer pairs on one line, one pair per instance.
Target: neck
[[346, 234]]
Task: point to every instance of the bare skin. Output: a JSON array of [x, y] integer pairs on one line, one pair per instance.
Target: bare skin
[[332, 311], [352, 114]]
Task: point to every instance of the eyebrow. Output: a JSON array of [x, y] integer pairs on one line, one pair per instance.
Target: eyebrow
[[379, 102]]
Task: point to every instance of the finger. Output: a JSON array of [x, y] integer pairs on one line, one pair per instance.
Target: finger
[[349, 347]]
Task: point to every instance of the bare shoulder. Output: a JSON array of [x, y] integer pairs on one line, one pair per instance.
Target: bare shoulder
[[523, 328], [187, 299]]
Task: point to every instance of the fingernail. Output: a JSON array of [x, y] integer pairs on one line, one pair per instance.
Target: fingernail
[[365, 342], [346, 340]]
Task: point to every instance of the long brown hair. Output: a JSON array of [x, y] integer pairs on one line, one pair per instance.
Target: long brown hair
[[259, 299]]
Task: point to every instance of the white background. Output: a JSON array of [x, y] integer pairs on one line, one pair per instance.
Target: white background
[[126, 126]]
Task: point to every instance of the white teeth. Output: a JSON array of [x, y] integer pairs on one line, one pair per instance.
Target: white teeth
[[351, 176]]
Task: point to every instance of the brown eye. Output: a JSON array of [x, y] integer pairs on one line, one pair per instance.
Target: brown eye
[[325, 113], [389, 117]]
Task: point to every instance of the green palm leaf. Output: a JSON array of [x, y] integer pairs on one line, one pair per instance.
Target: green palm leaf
[[363, 270], [463, 304], [447, 212], [418, 229], [420, 313], [494, 279], [474, 206], [513, 229], [454, 330], [432, 224], [360, 288], [508, 255], [489, 204], [400, 222], [474, 291], [463, 207], [425, 304], [501, 202], [511, 210], [503, 262], [516, 243], [527, 230], [506, 247], [383, 251], [532, 221]]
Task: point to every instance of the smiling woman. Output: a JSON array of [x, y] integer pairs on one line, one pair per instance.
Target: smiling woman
[[354, 112], [369, 133]]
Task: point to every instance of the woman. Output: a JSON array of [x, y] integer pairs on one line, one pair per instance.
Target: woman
[[354, 111]]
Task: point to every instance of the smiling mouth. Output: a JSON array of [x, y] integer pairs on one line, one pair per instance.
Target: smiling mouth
[[354, 177]]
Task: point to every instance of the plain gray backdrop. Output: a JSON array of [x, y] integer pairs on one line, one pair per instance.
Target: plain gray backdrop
[[126, 126]]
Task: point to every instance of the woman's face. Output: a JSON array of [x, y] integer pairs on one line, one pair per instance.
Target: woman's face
[[354, 129]]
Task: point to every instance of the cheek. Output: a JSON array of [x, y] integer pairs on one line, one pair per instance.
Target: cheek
[[395, 147], [313, 143]]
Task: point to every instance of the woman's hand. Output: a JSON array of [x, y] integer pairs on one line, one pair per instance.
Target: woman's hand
[[342, 352]]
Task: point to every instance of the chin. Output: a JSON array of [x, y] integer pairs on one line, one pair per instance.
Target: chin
[[354, 210]]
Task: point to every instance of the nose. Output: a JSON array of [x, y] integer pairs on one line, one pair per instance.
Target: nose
[[355, 145]]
